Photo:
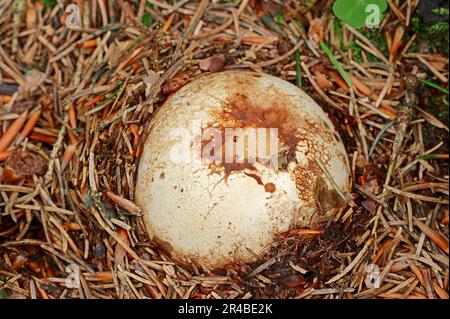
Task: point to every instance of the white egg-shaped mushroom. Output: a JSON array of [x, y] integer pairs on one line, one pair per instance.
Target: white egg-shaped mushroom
[[231, 160]]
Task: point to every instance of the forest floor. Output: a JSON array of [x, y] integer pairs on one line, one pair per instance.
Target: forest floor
[[75, 104]]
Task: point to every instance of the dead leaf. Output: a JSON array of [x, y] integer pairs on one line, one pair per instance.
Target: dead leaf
[[438, 65], [18, 262], [370, 205], [212, 64], [33, 79], [21, 164], [293, 281], [322, 81], [150, 80]]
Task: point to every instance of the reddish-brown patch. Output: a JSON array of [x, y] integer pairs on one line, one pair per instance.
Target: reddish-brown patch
[[240, 112], [254, 108], [22, 164], [270, 187], [256, 177]]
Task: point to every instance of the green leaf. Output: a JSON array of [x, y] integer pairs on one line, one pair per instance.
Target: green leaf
[[358, 13]]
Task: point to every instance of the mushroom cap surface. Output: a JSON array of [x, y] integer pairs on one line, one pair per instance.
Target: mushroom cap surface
[[201, 207]]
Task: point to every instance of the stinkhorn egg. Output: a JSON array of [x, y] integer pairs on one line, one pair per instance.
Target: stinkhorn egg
[[233, 159]]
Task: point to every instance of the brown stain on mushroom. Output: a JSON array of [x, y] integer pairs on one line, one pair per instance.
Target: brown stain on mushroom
[[326, 198], [164, 245], [242, 110], [270, 187], [239, 111], [256, 177]]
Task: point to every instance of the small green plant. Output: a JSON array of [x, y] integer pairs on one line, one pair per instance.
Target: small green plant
[[435, 34], [3, 294], [146, 19]]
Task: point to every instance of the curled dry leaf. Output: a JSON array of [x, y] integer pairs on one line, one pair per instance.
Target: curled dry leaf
[[212, 64], [322, 81]]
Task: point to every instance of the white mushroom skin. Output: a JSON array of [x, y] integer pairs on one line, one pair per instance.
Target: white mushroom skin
[[214, 214]]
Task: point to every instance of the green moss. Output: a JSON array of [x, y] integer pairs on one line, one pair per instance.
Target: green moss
[[372, 35], [146, 19], [356, 50], [3, 294], [280, 19], [436, 34], [378, 39], [440, 107], [48, 4], [440, 10]]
